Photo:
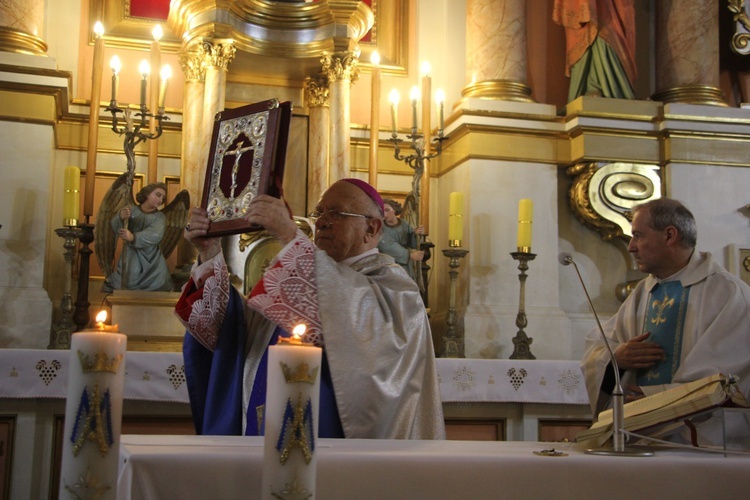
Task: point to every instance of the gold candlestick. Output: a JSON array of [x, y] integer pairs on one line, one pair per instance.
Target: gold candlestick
[[453, 339], [61, 332], [521, 341]]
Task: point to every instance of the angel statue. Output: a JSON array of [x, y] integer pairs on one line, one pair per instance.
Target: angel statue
[[149, 235]]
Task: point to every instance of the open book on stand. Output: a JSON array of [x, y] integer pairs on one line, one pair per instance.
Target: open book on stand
[[667, 406]]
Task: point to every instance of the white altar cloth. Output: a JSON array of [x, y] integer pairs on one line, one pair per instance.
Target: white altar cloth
[[43, 373], [511, 381], [160, 376], [229, 467]]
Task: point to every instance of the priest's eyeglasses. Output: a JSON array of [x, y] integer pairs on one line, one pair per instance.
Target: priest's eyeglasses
[[334, 215]]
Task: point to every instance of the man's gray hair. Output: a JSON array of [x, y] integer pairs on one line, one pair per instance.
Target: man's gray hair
[[667, 212]]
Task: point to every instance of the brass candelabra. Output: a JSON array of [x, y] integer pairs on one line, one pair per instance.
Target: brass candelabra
[[417, 161], [521, 341]]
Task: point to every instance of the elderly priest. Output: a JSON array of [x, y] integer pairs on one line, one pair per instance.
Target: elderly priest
[[379, 378]]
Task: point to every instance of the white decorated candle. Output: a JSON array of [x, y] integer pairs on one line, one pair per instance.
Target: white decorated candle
[[93, 413], [291, 418]]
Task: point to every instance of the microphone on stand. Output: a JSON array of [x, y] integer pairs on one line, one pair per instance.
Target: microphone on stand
[[618, 397]]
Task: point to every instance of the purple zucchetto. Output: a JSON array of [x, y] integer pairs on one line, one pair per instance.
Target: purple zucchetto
[[370, 191]]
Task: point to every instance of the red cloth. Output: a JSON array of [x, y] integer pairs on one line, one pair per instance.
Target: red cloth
[[584, 20], [185, 303]]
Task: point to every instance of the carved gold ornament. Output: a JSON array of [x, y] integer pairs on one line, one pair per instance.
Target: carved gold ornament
[[602, 195]]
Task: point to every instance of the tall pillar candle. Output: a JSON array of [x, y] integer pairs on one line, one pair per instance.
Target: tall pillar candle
[[424, 199], [456, 219], [71, 196], [93, 414], [394, 98], [525, 217], [153, 100], [374, 120], [414, 98], [291, 419], [96, 91]]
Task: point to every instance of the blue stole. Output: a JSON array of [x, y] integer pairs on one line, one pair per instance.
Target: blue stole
[[214, 381], [665, 319]]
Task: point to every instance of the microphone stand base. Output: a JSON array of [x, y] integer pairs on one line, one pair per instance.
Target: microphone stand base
[[627, 452]]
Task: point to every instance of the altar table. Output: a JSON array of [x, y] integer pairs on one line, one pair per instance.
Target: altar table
[[219, 467]]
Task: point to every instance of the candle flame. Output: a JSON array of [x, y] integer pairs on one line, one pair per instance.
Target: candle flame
[[375, 58], [166, 72], [425, 69], [414, 93], [157, 32], [394, 97], [144, 69], [98, 29], [115, 64], [101, 317], [299, 330], [439, 96]]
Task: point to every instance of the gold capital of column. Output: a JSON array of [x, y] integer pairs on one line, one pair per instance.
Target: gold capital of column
[[194, 61], [317, 93], [341, 65], [219, 52]]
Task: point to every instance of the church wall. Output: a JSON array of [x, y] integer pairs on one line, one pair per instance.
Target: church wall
[[717, 196], [26, 202]]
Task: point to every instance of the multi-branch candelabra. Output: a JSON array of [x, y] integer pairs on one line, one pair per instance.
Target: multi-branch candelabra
[[135, 131], [521, 341], [416, 160]]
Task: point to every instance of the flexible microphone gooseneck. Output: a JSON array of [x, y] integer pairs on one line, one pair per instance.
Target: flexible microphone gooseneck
[[618, 397]]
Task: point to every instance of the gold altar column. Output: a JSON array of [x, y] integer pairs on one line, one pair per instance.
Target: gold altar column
[[341, 69], [496, 50], [317, 101], [219, 53], [687, 52], [193, 61], [21, 23]]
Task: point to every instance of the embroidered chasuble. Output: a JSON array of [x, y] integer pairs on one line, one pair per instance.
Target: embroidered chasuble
[[378, 375], [665, 319]]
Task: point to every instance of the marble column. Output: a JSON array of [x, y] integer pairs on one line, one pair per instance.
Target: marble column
[[341, 70], [496, 50], [317, 101], [21, 26], [193, 61], [687, 52]]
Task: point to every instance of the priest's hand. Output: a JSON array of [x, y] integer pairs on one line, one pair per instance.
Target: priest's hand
[[274, 215], [639, 353], [195, 233]]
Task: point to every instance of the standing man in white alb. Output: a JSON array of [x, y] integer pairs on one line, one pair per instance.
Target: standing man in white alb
[[688, 319]]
